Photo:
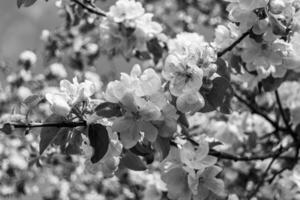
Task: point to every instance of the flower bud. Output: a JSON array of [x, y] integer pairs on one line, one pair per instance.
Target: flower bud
[[45, 36], [58, 103]]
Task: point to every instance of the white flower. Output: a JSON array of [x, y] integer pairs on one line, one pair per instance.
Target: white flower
[[277, 6], [77, 92], [190, 102], [69, 95], [58, 70], [266, 57], [146, 28], [125, 10], [95, 79], [186, 43], [58, 103], [225, 35], [242, 11], [184, 75], [23, 92], [196, 157], [140, 84]]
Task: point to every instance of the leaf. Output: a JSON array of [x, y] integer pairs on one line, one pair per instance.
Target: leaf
[[223, 69], [141, 149], [25, 3], [99, 140], [19, 3], [108, 110], [142, 55], [62, 136], [133, 162], [162, 146], [236, 63], [33, 100], [270, 83], [28, 3], [155, 48], [48, 134], [218, 96], [72, 147]]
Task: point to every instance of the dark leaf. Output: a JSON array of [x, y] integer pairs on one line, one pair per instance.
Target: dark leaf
[[133, 162], [28, 3], [20, 3], [223, 69], [99, 140], [7, 128], [183, 120], [236, 63], [48, 134], [218, 96], [271, 83], [62, 136], [142, 55], [141, 149], [155, 48], [25, 3], [162, 146], [72, 147], [108, 110]]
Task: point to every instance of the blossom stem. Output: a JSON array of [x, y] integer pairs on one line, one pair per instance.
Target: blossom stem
[[54, 124], [220, 54], [91, 9]]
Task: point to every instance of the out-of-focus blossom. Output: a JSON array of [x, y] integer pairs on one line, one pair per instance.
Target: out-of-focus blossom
[[58, 70], [59, 103], [122, 10], [23, 92], [184, 75], [27, 59]]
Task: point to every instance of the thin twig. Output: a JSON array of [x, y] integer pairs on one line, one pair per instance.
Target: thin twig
[[257, 111], [227, 156], [220, 54], [264, 175], [94, 10]]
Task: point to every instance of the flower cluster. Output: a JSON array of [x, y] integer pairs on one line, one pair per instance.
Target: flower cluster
[[270, 49], [190, 173], [127, 30], [70, 95], [147, 112], [190, 60]]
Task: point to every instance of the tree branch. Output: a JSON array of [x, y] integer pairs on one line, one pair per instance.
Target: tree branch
[[227, 156], [257, 111], [220, 54], [54, 124]]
